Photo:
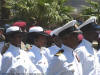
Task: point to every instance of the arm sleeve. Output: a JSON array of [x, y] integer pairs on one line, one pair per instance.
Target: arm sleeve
[[55, 66], [6, 63]]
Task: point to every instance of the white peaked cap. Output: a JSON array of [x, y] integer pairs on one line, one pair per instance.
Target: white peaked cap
[[90, 20], [36, 29], [56, 31], [13, 29], [67, 25]]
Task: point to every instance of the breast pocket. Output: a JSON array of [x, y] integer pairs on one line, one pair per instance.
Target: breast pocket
[[89, 62], [89, 58], [69, 67]]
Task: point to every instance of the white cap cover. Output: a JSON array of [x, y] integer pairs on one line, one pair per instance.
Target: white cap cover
[[67, 25], [13, 29], [36, 29], [90, 20]]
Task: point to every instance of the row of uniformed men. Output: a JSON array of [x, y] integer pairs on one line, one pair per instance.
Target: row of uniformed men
[[72, 53]]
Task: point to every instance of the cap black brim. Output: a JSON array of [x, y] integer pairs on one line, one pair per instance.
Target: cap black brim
[[38, 33]]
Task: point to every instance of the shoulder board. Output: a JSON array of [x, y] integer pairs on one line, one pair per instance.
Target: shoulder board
[[2, 38], [95, 45], [5, 48], [59, 53]]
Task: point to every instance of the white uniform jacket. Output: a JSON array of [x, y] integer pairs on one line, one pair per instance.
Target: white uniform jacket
[[38, 58], [86, 55], [23, 66], [9, 58], [65, 64]]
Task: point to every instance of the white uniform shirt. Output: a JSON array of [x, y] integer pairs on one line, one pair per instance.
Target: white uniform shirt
[[46, 52], [97, 63], [9, 58], [0, 62], [86, 55], [65, 64], [38, 58], [23, 66]]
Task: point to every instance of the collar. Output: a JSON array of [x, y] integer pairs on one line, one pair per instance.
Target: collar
[[85, 45], [87, 42], [68, 53], [66, 48], [13, 48], [54, 47], [81, 45], [35, 50]]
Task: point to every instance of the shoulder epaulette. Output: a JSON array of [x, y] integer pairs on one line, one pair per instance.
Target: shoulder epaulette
[[2, 38], [59, 53], [95, 45], [5, 48]]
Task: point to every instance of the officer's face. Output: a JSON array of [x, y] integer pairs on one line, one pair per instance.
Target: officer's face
[[70, 40], [41, 41], [49, 41], [16, 40], [91, 35], [1, 32]]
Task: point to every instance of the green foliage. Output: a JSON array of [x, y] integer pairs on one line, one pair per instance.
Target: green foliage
[[93, 9], [44, 12]]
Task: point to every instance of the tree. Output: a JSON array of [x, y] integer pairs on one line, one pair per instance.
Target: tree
[[93, 9], [4, 12], [43, 12]]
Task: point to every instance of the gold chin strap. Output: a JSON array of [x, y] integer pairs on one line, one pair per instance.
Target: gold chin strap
[[95, 45], [76, 26]]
